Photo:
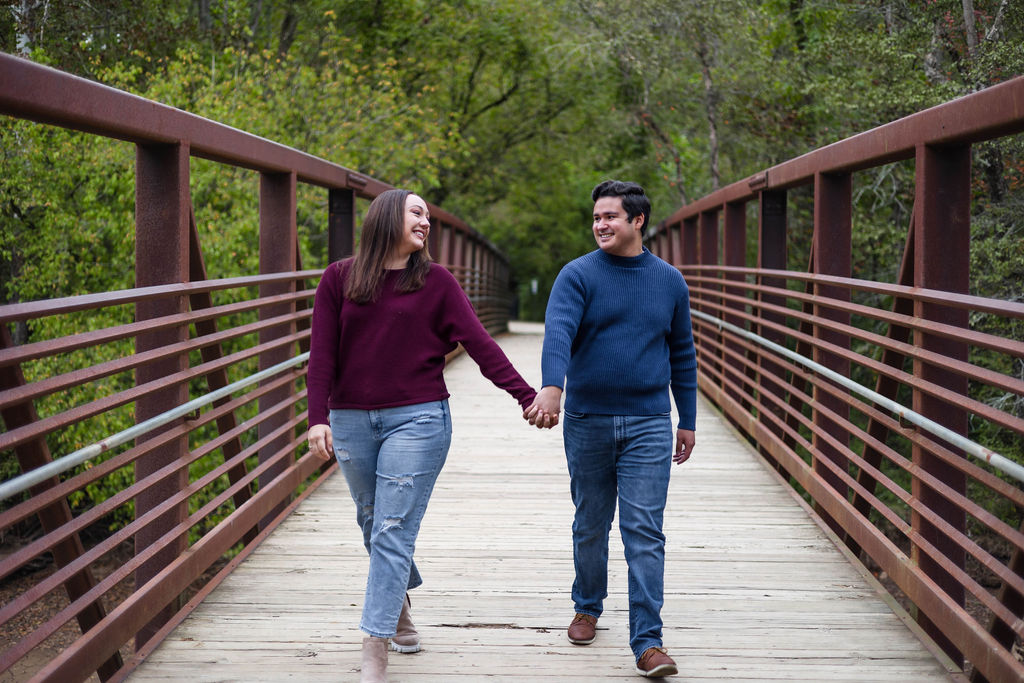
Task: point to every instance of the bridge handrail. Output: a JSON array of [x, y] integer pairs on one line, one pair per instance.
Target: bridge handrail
[[214, 480], [1004, 465], [896, 486]]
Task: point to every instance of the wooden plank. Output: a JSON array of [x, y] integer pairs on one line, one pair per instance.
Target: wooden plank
[[755, 590]]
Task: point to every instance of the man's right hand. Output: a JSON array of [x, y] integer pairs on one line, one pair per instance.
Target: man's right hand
[[545, 409]]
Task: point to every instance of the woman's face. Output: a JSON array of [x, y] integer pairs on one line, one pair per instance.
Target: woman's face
[[416, 226]]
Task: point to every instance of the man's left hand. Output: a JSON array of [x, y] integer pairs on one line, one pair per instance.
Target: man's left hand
[[685, 438]]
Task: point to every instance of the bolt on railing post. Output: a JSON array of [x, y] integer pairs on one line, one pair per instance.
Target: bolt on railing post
[[162, 207], [277, 254], [941, 261]]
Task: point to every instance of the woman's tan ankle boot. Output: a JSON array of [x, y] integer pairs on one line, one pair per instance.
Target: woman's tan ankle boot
[[375, 660], [406, 640]]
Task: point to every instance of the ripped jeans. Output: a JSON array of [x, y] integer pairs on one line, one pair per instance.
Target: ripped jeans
[[391, 458]]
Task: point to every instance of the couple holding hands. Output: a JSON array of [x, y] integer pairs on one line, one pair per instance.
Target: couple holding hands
[[617, 338]]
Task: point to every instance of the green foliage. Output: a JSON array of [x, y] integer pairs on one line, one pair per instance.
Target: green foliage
[[505, 112]]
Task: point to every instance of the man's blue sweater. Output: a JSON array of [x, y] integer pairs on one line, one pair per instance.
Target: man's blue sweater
[[617, 332]]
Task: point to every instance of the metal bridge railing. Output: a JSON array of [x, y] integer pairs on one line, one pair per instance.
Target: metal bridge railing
[[886, 404], [187, 405]]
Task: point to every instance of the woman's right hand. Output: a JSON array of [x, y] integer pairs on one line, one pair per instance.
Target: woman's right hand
[[320, 445]]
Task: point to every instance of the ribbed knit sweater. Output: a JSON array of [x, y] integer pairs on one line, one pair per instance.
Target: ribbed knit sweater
[[617, 332], [391, 352]]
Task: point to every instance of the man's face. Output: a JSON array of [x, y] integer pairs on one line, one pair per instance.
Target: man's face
[[614, 233]]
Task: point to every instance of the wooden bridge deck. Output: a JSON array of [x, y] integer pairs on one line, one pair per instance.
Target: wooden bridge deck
[[755, 590]]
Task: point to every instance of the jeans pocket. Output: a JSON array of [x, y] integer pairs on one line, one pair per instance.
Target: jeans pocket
[[574, 415]]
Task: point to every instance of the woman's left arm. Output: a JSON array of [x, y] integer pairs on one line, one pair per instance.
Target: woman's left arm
[[462, 326]]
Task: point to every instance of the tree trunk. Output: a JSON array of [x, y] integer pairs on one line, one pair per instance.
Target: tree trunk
[[969, 28], [707, 58]]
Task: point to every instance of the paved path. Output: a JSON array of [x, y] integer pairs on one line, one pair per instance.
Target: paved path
[[755, 590]]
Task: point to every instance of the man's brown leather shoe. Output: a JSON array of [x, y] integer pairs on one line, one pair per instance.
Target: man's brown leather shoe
[[583, 629], [655, 663]]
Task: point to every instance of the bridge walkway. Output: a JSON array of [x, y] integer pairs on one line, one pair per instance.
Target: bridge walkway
[[755, 589]]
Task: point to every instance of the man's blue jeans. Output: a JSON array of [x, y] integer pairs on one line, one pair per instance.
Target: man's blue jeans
[[627, 459], [391, 458]]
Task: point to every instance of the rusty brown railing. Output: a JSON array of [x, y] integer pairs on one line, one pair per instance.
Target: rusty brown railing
[[904, 486], [187, 337]]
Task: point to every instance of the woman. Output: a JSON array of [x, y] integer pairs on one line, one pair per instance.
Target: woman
[[383, 322]]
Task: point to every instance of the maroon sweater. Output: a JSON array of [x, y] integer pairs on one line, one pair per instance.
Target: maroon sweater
[[391, 352]]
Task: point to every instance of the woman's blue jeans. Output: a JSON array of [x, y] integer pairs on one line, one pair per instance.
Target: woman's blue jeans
[[391, 458], [624, 459]]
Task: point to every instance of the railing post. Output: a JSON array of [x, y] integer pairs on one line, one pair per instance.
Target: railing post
[[832, 250], [341, 224], [161, 257], [734, 254], [771, 255], [277, 254], [434, 237], [941, 261], [446, 234], [688, 237], [707, 248], [672, 243]]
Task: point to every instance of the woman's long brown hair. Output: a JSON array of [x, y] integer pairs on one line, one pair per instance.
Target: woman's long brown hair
[[381, 233]]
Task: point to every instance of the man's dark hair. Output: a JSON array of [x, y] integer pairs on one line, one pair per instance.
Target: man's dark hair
[[634, 200]]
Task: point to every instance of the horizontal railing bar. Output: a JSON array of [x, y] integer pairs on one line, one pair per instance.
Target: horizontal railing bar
[[918, 586], [54, 580], [81, 412], [54, 383], [998, 461], [149, 646], [975, 338], [15, 514], [977, 407], [129, 617], [27, 480], [1013, 536], [11, 562], [962, 368], [106, 335], [1011, 309], [979, 474], [69, 304], [121, 572], [911, 533]]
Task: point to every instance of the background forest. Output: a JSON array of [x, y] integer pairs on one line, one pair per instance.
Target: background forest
[[505, 112]]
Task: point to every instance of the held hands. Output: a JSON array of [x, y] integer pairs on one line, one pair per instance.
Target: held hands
[[545, 409], [319, 438]]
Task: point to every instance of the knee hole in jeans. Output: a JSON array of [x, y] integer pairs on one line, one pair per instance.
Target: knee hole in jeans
[[402, 481]]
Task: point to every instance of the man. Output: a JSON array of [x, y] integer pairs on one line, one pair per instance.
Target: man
[[617, 332]]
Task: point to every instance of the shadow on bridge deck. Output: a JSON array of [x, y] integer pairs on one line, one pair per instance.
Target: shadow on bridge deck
[[755, 590]]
